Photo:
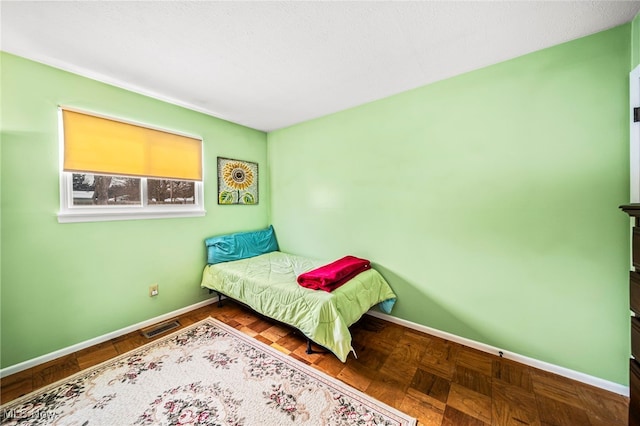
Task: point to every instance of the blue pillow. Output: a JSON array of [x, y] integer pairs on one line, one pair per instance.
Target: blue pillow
[[240, 245]]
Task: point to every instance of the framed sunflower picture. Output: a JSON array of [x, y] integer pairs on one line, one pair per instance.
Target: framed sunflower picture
[[237, 181]]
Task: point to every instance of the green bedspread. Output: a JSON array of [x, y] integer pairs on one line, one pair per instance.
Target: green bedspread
[[267, 283]]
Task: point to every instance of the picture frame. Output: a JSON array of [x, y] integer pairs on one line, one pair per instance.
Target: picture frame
[[237, 182]]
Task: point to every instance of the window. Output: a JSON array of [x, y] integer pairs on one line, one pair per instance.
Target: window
[[115, 170]]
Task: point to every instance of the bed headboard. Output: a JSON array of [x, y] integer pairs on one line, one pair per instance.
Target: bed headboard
[[241, 245]]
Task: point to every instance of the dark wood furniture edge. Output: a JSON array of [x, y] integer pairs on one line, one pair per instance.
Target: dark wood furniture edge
[[633, 210]]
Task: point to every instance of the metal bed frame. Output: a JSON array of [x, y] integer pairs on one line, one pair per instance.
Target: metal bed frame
[[309, 350]]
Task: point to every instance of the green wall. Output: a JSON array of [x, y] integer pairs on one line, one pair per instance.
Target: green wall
[[635, 41], [488, 200], [65, 283]]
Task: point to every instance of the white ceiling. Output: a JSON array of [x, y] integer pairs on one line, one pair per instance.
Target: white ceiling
[[268, 65]]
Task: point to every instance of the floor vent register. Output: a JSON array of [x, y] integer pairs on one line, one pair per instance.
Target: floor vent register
[[159, 329]]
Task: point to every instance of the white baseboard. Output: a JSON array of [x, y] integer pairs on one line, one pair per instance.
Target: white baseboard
[[105, 337], [565, 372], [561, 371]]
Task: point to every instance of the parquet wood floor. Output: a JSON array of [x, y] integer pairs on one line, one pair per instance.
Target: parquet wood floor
[[437, 381]]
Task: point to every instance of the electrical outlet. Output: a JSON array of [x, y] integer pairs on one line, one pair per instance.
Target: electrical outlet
[[153, 290]]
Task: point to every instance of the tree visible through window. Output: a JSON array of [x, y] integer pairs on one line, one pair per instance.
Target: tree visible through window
[[164, 191], [102, 190]]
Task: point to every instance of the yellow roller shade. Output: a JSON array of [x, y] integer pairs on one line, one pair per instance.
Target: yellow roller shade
[[104, 146]]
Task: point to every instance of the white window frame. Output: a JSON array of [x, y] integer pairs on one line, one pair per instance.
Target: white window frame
[[69, 213]]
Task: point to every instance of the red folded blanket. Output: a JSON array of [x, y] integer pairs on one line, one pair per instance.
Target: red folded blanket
[[333, 275]]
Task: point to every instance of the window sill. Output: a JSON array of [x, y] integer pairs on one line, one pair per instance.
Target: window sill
[[102, 216]]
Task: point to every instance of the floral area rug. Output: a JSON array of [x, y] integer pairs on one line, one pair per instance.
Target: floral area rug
[[205, 374]]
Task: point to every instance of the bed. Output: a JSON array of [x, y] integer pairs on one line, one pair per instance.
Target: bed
[[249, 268]]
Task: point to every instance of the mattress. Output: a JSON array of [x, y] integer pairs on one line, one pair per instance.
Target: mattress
[[267, 283]]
